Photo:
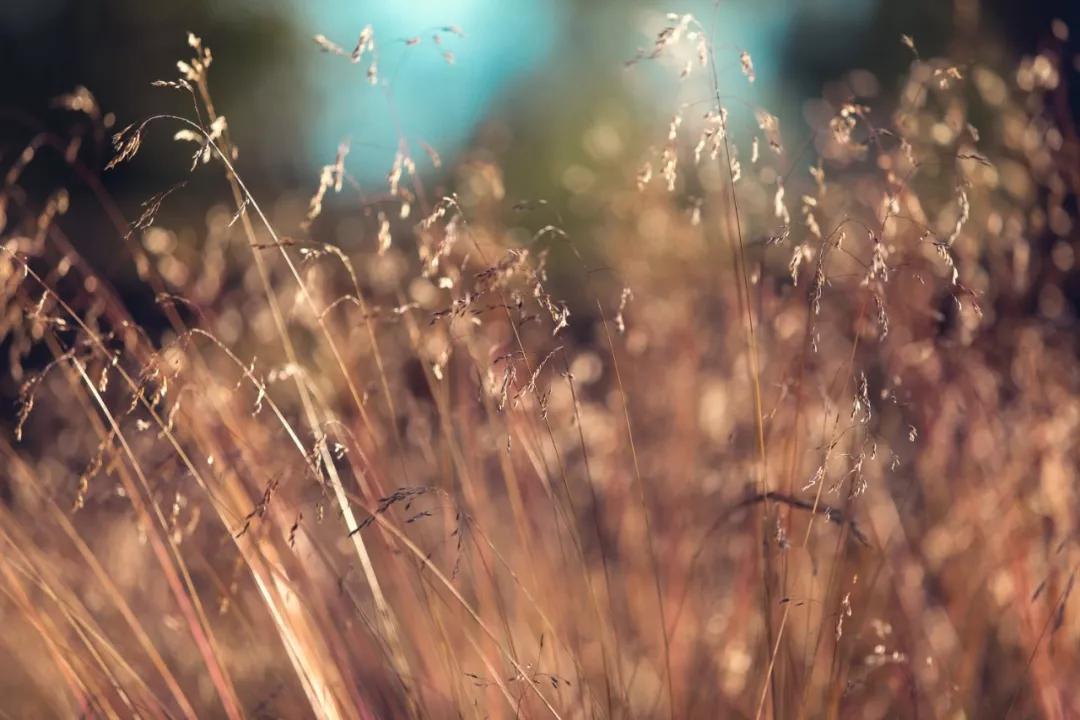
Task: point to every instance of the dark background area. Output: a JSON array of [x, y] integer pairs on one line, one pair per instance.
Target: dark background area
[[116, 47]]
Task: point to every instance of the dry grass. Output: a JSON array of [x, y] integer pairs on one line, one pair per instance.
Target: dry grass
[[800, 442]]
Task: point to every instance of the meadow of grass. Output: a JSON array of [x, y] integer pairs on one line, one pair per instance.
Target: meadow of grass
[[791, 433]]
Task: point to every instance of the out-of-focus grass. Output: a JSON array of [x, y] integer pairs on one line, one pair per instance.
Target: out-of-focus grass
[[799, 442]]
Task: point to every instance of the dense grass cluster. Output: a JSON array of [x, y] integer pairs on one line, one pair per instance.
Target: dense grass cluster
[[791, 434]]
